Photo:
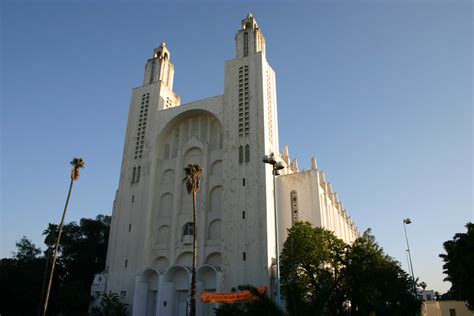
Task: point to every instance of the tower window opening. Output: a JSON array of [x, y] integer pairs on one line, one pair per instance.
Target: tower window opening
[[244, 256], [243, 181], [246, 44], [241, 151], [247, 153]]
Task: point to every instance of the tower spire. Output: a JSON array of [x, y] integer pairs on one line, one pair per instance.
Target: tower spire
[[160, 67], [249, 38]]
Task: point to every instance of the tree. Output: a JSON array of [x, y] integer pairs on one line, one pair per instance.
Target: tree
[[20, 280], [323, 276], [110, 305], [311, 262], [26, 249], [81, 254], [459, 265], [77, 164], [376, 283], [193, 180]]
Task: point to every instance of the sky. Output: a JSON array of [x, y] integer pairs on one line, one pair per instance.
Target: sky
[[380, 92]]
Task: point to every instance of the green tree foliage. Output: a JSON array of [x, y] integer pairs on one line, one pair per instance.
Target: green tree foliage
[[376, 283], [311, 263], [263, 306], [459, 265], [110, 305], [321, 275], [21, 280], [82, 253], [26, 250]]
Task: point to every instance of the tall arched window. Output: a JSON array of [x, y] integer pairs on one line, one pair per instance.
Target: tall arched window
[[241, 154], [138, 173], [246, 44], [134, 174], [294, 207], [188, 229], [247, 153]]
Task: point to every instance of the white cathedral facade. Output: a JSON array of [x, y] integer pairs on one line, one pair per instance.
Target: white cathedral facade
[[150, 247]]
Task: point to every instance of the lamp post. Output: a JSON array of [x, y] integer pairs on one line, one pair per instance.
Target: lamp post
[[406, 222], [270, 159]]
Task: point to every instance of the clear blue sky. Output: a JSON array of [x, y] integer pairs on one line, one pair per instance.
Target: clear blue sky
[[379, 91]]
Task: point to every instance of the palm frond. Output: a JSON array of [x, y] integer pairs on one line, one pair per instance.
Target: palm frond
[[193, 175], [77, 164]]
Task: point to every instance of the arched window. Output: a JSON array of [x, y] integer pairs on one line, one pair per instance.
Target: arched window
[[247, 153], [138, 173], [188, 229], [166, 151], [241, 154], [294, 207]]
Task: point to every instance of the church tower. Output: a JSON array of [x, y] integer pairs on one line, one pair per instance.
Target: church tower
[[251, 131], [127, 248]]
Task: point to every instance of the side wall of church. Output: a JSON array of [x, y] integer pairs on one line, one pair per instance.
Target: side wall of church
[[306, 196]]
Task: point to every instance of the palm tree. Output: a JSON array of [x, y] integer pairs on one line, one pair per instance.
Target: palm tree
[[51, 235], [193, 181], [77, 164]]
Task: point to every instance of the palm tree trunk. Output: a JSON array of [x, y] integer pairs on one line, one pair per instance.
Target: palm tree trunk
[[55, 252], [45, 277], [193, 273]]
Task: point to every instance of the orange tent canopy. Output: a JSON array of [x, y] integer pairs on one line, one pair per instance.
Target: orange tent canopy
[[232, 297]]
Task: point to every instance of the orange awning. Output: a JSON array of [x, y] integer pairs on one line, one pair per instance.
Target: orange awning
[[232, 297]]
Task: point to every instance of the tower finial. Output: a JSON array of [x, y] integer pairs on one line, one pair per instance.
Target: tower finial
[[249, 15]]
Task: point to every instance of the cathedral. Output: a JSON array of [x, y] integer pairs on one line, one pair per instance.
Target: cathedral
[[150, 247]]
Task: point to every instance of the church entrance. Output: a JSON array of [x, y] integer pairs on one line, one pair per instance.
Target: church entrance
[[207, 282], [181, 306], [174, 292], [146, 294]]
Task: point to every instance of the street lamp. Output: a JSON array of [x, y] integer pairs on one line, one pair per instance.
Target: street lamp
[[406, 222], [276, 166]]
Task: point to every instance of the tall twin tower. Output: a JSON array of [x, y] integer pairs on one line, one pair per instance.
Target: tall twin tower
[[150, 248]]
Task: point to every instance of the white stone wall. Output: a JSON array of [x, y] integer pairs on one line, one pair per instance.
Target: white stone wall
[[316, 204]]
